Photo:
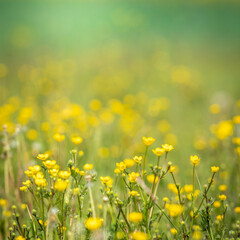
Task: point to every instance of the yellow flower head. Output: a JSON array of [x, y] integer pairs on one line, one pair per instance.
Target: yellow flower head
[[172, 169], [135, 217], [76, 140], [139, 236], [121, 166], [138, 159], [158, 151], [173, 231], [27, 183], [174, 210], [61, 185], [222, 188], [129, 162], [107, 181], [222, 197], [41, 182], [214, 169], [23, 188], [217, 204], [88, 167], [49, 164], [3, 202], [34, 169], [20, 238], [42, 156], [133, 193], [58, 137], [237, 210], [151, 178], [167, 147], [64, 174], [132, 177], [194, 160], [188, 188], [93, 223], [148, 140]]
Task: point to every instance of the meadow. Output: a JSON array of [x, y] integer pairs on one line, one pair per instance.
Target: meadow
[[119, 120]]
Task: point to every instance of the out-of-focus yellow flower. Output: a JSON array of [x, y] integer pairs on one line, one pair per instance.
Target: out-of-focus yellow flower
[[222, 197], [88, 166], [32, 134], [133, 193], [3, 202], [95, 105], [45, 126], [139, 235], [222, 188], [93, 223], [129, 162], [23, 206], [194, 160], [59, 137], [135, 217], [163, 126], [215, 108], [103, 152], [34, 169], [217, 204], [167, 147], [200, 143], [23, 188], [148, 140], [27, 183], [80, 153], [197, 235], [49, 164], [138, 159], [224, 129], [107, 181], [236, 140], [43, 156], [132, 177], [61, 185], [120, 235], [165, 199], [172, 187], [219, 217], [41, 182], [172, 169], [174, 210], [20, 238], [236, 119], [188, 188], [214, 169], [76, 140], [151, 177], [173, 231], [194, 195], [76, 191], [237, 210], [158, 151]]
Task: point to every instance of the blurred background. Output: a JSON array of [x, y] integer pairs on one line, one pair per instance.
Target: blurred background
[[167, 69]]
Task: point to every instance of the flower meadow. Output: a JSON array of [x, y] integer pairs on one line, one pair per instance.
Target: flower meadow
[[57, 193], [120, 120]]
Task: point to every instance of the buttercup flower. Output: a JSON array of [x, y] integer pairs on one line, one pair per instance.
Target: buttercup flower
[[194, 160], [148, 140]]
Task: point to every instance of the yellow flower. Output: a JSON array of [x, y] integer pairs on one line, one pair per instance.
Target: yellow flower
[[172, 187], [135, 217], [132, 177], [49, 164], [76, 191], [222, 188], [224, 129], [133, 193], [219, 217], [165, 199], [27, 183], [173, 231], [222, 197], [188, 188], [121, 166], [20, 238], [214, 169], [215, 108], [236, 119], [32, 134], [58, 137], [107, 180], [80, 153], [194, 160], [76, 140], [139, 236], [236, 140], [34, 169], [93, 223], [129, 162], [172, 169], [64, 174], [23, 188], [23, 206], [41, 182], [53, 172], [197, 235], [88, 167], [28, 173], [167, 147], [174, 210], [138, 159], [3, 202], [158, 151], [148, 141], [151, 177], [237, 209], [61, 185], [42, 156], [217, 204]]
